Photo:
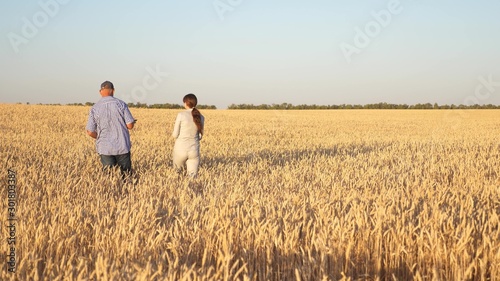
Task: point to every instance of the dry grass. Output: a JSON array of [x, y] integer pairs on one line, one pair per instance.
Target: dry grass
[[293, 195]]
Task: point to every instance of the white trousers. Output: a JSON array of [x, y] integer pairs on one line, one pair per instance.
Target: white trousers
[[190, 158]]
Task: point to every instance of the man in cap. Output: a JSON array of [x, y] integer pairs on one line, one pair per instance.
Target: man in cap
[[109, 123]]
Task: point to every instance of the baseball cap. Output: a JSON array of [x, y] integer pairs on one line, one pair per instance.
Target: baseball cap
[[107, 85]]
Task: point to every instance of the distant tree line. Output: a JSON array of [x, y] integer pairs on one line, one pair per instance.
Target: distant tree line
[[168, 106], [156, 105], [81, 104], [286, 106], [381, 105]]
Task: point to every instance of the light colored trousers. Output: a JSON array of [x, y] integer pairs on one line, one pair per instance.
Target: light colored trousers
[[190, 158]]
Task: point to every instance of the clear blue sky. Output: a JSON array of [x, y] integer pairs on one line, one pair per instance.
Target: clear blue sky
[[251, 51]]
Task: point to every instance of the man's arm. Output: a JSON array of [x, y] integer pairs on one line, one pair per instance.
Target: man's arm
[[129, 119], [92, 134], [91, 125]]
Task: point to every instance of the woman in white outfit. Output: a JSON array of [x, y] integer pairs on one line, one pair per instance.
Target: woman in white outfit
[[188, 131]]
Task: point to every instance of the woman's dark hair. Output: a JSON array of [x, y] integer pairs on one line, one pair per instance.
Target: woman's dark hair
[[191, 102]]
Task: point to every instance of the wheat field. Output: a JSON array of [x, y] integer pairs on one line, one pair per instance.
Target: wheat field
[[281, 195]]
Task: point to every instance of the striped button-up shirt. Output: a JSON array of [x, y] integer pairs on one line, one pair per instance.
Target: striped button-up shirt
[[109, 118]]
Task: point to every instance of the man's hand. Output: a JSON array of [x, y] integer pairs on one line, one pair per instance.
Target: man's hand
[[92, 134]]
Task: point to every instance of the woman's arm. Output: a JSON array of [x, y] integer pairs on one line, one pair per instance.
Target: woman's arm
[[203, 126], [177, 126]]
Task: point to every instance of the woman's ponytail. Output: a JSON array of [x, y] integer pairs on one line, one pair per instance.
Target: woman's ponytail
[[197, 119], [191, 102]]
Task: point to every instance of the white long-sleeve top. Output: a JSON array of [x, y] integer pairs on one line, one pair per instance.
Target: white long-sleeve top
[[185, 132]]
